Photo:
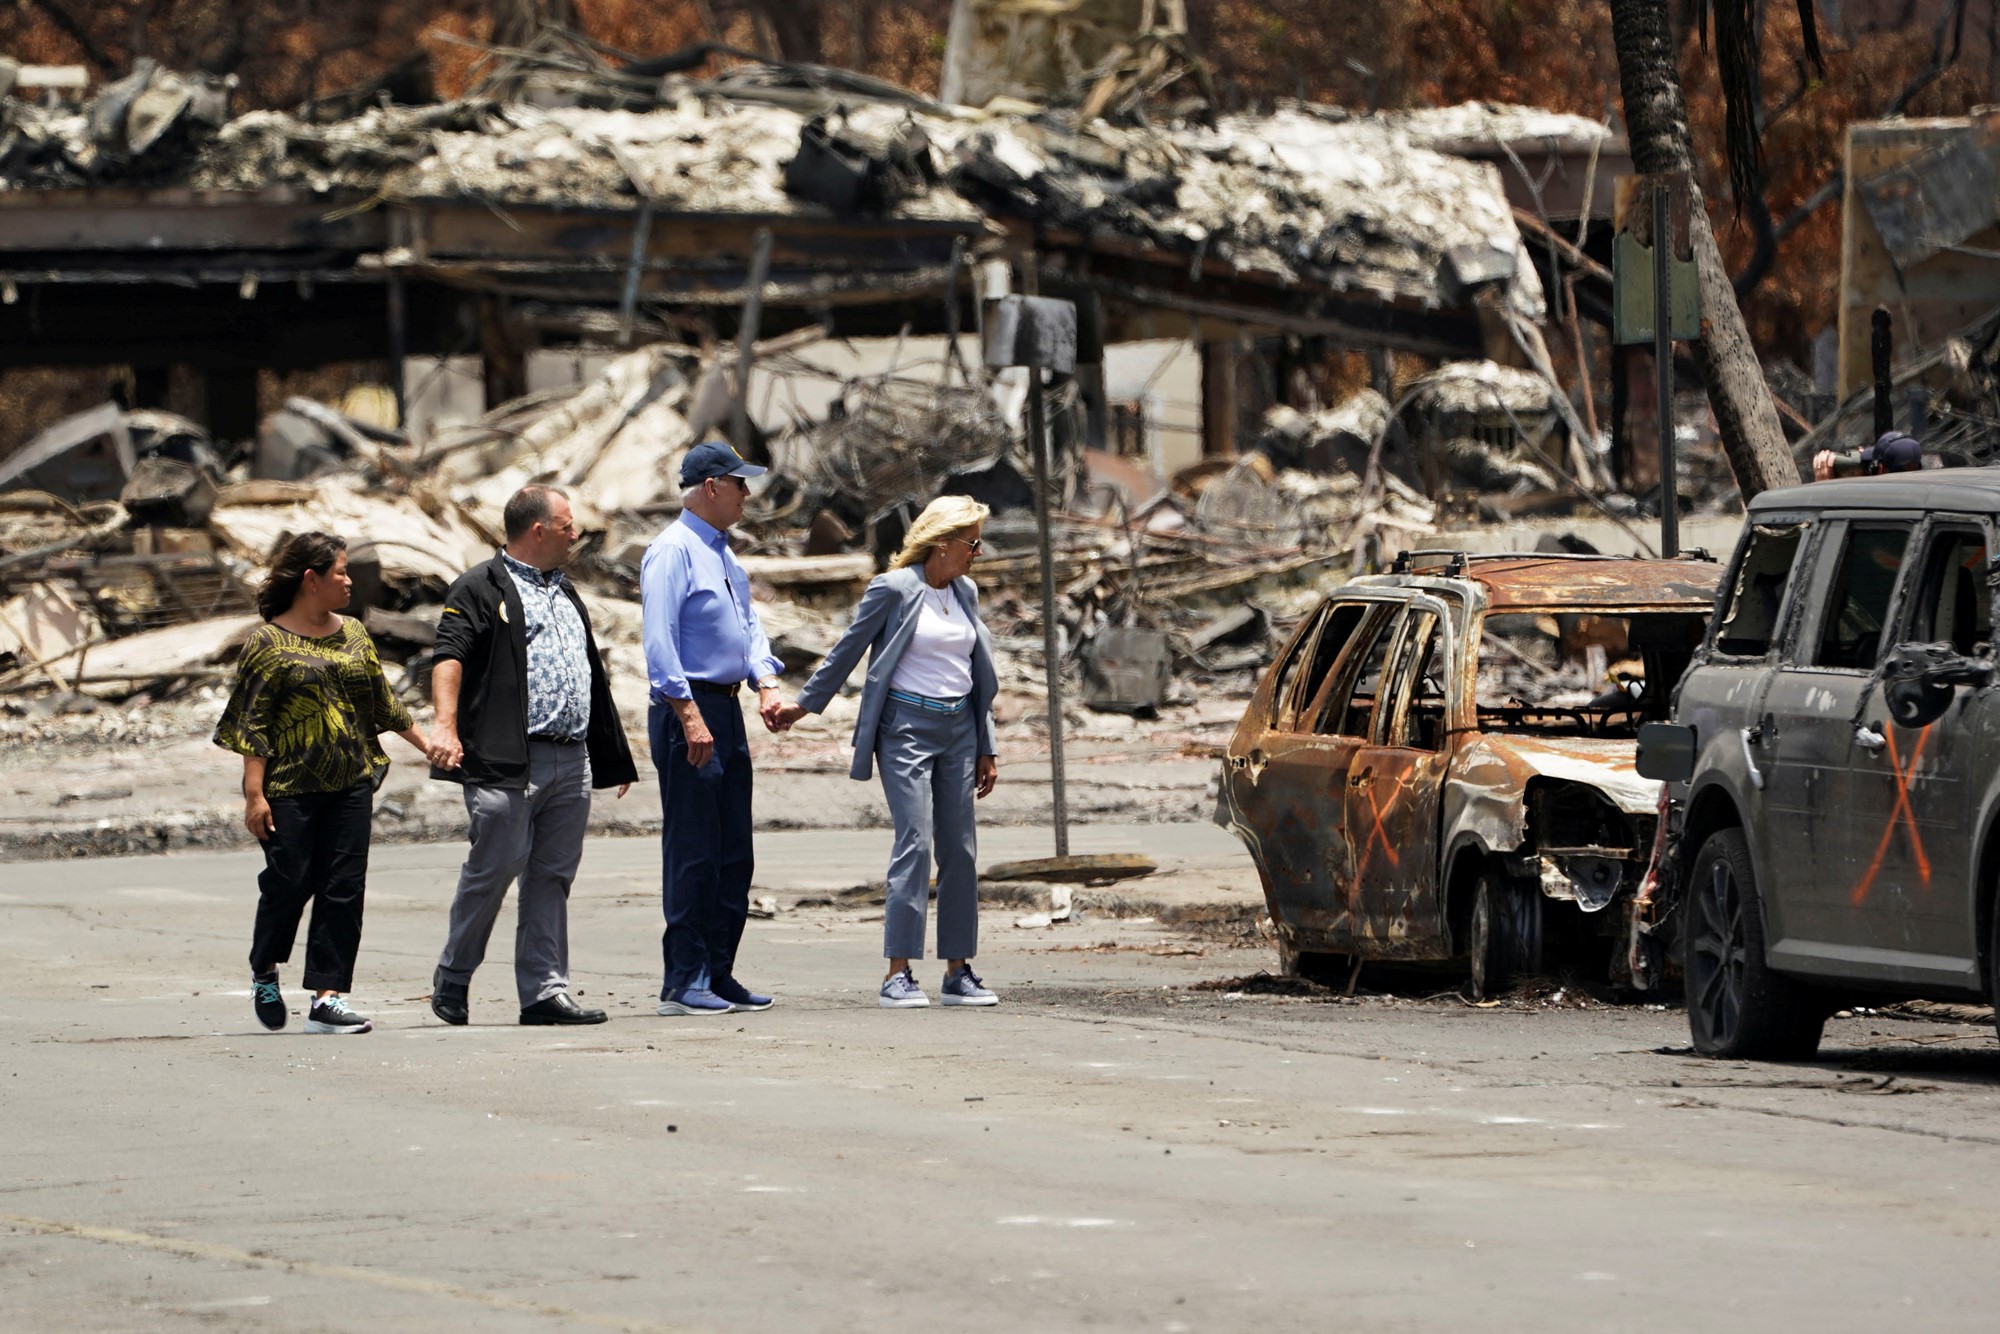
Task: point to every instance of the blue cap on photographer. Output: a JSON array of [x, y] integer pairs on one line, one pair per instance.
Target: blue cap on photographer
[[715, 459], [1894, 451]]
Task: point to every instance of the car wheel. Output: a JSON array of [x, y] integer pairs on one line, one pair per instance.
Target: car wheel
[[1506, 934], [1737, 1006]]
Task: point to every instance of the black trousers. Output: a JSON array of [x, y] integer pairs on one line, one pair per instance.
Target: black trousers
[[318, 850]]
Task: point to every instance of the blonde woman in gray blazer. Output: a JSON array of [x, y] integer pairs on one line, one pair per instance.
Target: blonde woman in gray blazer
[[926, 723]]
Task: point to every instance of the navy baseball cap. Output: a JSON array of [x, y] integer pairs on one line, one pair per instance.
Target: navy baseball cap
[[715, 459], [1894, 451]]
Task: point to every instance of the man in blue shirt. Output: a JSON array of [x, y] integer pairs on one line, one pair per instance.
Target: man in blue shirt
[[703, 641]]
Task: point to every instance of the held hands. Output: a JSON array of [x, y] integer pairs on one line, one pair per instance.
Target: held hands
[[443, 748], [782, 718], [1823, 465], [771, 708], [985, 773]]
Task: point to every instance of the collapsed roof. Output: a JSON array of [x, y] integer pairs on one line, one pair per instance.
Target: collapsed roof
[[1306, 200]]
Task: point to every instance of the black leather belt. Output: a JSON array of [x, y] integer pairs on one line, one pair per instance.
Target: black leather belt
[[715, 687], [556, 740]]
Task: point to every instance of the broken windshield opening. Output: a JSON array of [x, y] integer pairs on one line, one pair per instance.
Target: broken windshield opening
[[1581, 673]]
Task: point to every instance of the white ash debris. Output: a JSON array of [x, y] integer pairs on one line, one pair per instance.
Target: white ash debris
[[1351, 202], [1483, 387], [1475, 126]]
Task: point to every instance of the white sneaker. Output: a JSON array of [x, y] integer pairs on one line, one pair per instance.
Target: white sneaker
[[901, 992], [964, 988], [330, 1014]]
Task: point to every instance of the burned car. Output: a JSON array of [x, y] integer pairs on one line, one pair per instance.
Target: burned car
[[1833, 823], [1439, 765]]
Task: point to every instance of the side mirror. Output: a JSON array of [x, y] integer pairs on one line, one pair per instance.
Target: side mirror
[[1918, 681], [1666, 752]]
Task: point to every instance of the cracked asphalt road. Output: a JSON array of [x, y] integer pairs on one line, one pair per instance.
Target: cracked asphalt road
[[1109, 1149]]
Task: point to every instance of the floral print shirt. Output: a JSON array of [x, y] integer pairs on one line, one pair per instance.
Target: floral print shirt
[[558, 654]]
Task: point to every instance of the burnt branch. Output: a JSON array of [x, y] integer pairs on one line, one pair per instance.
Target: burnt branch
[[1950, 22], [76, 32]]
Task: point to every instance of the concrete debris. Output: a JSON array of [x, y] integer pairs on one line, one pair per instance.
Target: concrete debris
[[412, 544], [1127, 671], [176, 651]]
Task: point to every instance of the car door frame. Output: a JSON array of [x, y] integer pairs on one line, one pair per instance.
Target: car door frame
[[1726, 714], [1283, 788], [1807, 754], [1921, 846], [1402, 903]]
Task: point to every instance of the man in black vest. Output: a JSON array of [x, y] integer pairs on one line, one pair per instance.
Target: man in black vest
[[525, 721]]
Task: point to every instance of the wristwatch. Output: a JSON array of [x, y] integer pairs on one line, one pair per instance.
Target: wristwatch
[[768, 683]]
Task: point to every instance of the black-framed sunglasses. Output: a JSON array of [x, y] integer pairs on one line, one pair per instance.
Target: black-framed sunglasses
[[973, 544]]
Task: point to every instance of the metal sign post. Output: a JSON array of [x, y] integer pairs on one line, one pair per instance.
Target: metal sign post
[[1663, 370], [1656, 298], [1038, 443], [1039, 333]]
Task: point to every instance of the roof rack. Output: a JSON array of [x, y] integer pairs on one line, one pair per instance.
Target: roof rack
[[1456, 560], [1406, 559]]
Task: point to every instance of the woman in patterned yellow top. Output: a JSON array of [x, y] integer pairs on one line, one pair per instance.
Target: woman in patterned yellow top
[[310, 701]]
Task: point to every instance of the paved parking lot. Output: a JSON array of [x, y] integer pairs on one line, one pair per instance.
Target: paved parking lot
[[1110, 1148]]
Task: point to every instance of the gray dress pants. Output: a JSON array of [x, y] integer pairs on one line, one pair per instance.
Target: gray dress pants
[[534, 835], [928, 761]]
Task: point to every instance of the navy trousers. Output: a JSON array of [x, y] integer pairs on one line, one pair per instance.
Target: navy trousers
[[705, 854]]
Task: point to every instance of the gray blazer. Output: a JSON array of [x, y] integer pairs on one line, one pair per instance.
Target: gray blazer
[[883, 624]]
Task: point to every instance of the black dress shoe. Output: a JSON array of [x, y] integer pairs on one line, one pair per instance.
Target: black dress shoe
[[448, 1000], [560, 1009]]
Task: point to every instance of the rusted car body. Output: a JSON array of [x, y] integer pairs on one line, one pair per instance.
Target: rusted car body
[[1433, 768]]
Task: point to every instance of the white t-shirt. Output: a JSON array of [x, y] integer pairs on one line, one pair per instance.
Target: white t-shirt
[[937, 662]]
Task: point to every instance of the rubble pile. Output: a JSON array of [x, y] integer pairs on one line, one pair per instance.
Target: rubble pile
[[130, 541], [134, 575]]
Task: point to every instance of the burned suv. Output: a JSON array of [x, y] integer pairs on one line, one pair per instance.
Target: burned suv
[[1439, 765], [1835, 757]]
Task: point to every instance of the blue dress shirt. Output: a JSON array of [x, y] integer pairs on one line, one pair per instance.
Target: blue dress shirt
[[698, 621]]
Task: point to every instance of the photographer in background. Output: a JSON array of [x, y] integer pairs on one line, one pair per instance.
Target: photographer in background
[[1894, 451]]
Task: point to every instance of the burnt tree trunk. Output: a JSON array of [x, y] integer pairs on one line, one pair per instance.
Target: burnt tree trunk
[[1656, 122]]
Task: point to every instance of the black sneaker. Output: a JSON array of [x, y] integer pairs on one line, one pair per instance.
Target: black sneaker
[[267, 1000], [329, 1014]]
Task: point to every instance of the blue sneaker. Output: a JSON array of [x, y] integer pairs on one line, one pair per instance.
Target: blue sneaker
[[738, 995], [901, 992], [963, 987], [695, 1000]]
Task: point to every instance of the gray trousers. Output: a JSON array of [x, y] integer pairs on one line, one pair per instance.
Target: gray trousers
[[534, 835], [927, 762]]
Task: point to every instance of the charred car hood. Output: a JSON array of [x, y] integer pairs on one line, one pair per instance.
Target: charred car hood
[[1605, 763]]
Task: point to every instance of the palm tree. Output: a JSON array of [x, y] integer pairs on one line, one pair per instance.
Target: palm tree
[[1657, 125]]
